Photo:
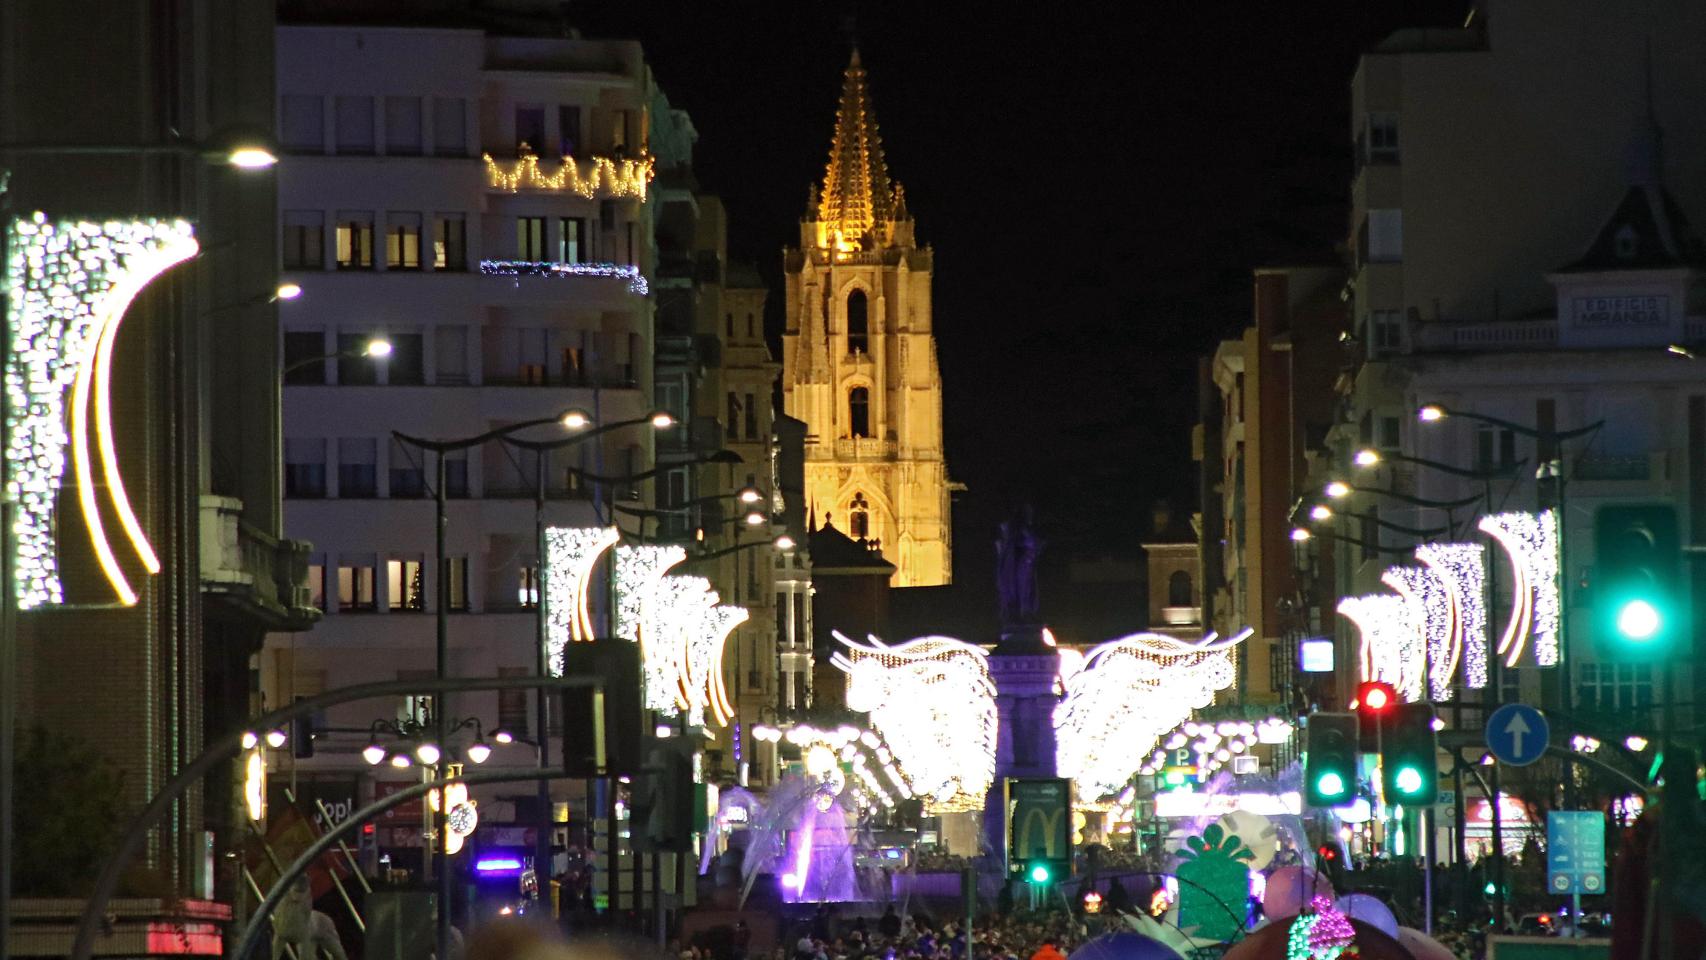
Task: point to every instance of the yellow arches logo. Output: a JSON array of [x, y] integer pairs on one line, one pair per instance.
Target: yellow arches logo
[[69, 284]]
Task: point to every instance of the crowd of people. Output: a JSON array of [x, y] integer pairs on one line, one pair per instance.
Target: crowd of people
[[1039, 935]]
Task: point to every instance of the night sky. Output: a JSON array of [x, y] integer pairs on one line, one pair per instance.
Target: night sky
[[1098, 181]]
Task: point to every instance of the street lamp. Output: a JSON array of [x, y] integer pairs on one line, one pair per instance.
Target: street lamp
[[376, 348]]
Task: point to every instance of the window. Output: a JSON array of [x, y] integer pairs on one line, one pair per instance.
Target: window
[[512, 704], [1382, 237], [302, 123], [358, 468], [449, 241], [304, 357], [405, 366], [1611, 687], [1495, 448], [405, 583], [1386, 330], [529, 128], [403, 126], [571, 240], [355, 125], [402, 241], [1179, 589], [456, 475], [859, 518], [574, 366], [530, 238], [1383, 138], [857, 339], [527, 585], [859, 411], [729, 325], [751, 418], [408, 470], [305, 467], [355, 367], [1386, 438], [568, 129], [449, 126], [355, 240], [317, 582], [456, 569], [732, 424], [355, 584], [450, 354], [304, 240], [416, 707], [751, 327], [619, 132]]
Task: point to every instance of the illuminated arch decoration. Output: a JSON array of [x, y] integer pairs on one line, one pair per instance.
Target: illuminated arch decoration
[[1211, 744], [1531, 542], [1428, 604], [1388, 636], [701, 678], [70, 284], [1126, 695], [932, 702], [1462, 568], [614, 178], [570, 555], [678, 606], [639, 570]]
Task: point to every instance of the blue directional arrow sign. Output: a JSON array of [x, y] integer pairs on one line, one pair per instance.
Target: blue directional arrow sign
[[1517, 734], [1575, 851]]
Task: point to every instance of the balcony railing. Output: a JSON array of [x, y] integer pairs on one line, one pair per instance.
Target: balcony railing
[[264, 575], [864, 448]]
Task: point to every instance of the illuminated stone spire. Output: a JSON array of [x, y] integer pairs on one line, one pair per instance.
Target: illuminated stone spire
[[857, 194]]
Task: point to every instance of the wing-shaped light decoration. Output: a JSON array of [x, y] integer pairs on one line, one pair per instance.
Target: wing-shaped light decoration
[[702, 684], [1531, 542], [1463, 570], [570, 555], [1428, 605], [69, 285], [933, 703], [639, 570], [678, 608], [1388, 638], [1129, 693]]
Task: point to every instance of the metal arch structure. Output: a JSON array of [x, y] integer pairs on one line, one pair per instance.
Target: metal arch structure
[[229, 745], [258, 920]]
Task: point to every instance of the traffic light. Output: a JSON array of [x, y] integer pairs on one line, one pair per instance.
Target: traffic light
[[1639, 609], [1374, 701], [1409, 750], [1330, 759], [1039, 872], [663, 801]]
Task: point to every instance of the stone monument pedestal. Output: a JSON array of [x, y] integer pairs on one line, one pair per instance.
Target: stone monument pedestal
[[1024, 669]]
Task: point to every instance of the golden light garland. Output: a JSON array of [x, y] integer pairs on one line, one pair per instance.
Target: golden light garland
[[616, 178]]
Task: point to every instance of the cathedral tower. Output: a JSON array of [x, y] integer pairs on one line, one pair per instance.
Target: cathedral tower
[[858, 359]]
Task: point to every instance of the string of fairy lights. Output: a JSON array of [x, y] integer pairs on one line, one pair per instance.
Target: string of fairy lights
[[606, 176]]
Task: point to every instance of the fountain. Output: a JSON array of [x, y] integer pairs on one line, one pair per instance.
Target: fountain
[[807, 838]]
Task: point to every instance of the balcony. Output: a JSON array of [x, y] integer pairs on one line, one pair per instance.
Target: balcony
[[608, 178], [1639, 468], [1499, 335], [864, 448], [264, 577], [1181, 616]]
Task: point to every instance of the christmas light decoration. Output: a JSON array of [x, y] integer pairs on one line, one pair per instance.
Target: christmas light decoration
[[1428, 604], [570, 555], [678, 609], [1531, 542], [1129, 693], [255, 785], [546, 268], [639, 570], [613, 178], [933, 703], [1320, 933], [701, 679], [822, 752], [69, 285], [1463, 571], [1387, 632]]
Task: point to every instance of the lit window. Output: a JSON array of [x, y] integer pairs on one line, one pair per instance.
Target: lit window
[[406, 584], [355, 240], [355, 584], [402, 241]]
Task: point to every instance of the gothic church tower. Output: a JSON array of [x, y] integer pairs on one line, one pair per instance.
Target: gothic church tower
[[858, 359]]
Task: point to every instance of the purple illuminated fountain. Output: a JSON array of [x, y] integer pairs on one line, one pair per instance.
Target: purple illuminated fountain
[[806, 838]]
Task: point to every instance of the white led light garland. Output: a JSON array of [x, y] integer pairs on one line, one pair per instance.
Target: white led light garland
[[639, 570], [1463, 570], [546, 268], [1531, 542], [69, 285], [1428, 604], [1387, 631], [570, 555]]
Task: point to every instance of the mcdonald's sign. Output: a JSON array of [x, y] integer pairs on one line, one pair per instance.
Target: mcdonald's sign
[[1038, 822]]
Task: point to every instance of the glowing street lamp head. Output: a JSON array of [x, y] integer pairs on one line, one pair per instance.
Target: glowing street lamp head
[[755, 518], [503, 736], [1299, 534], [251, 157], [750, 495], [1338, 489], [1636, 743], [400, 760], [575, 419], [378, 348], [662, 419], [1320, 512], [784, 543], [374, 754], [288, 291], [1365, 458], [427, 753], [250, 739], [479, 751], [275, 738], [1638, 620], [1430, 413]]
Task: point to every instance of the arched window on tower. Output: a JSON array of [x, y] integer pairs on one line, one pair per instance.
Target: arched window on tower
[[1179, 589], [859, 518], [859, 412], [857, 326]]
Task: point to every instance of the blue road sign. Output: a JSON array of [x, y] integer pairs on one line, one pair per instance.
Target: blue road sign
[[1517, 734], [1575, 851]]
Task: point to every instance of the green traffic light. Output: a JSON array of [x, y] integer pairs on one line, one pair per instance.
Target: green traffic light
[[1039, 873], [1488, 890], [1330, 784], [1409, 781], [1638, 620]]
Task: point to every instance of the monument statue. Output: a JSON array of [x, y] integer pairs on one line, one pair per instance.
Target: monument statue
[[1016, 551]]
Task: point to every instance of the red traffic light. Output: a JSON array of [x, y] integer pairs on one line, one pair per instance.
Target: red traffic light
[[1327, 852], [1376, 696]]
